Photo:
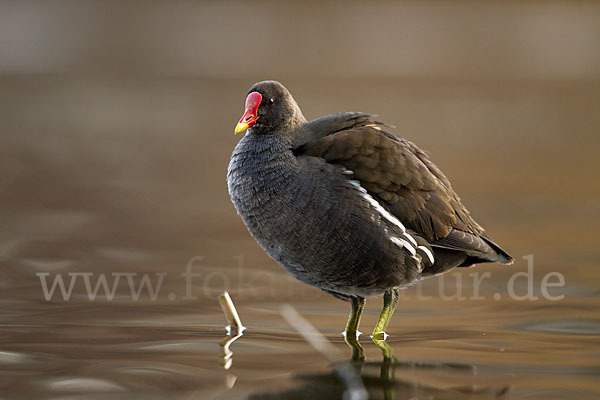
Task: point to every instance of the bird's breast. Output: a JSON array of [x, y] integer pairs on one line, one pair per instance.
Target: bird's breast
[[259, 179], [309, 217]]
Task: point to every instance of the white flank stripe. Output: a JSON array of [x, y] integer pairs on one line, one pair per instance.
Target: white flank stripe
[[404, 244], [378, 206], [429, 254], [409, 247], [347, 172], [396, 241], [410, 238], [400, 242], [357, 185]]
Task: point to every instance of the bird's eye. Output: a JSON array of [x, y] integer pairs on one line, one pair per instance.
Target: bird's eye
[[271, 101]]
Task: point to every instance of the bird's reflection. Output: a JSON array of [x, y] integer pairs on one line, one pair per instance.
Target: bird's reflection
[[388, 379]]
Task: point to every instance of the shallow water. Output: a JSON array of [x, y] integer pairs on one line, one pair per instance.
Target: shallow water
[[89, 188]]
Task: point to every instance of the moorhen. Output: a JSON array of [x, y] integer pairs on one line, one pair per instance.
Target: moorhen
[[346, 206]]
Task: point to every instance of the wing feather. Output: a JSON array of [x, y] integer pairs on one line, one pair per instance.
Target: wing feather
[[402, 177]]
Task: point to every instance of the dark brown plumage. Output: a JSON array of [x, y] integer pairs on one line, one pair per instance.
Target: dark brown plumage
[[402, 178], [346, 206]]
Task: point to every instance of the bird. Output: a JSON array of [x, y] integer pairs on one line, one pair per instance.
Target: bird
[[346, 206]]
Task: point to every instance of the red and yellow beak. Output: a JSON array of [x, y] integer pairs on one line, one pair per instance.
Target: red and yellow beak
[[250, 113]]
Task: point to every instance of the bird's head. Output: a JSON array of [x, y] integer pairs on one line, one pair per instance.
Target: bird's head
[[270, 109]]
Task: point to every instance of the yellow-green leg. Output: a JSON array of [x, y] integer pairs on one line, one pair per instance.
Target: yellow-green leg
[[390, 299], [350, 334]]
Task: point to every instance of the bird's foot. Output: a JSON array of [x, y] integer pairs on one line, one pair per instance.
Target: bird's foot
[[350, 334], [379, 338], [351, 339]]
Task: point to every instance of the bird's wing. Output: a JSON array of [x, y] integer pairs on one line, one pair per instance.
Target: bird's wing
[[401, 177], [332, 123]]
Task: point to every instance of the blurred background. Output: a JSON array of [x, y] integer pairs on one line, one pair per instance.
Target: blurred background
[[116, 127]]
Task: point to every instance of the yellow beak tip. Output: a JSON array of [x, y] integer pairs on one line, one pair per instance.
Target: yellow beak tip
[[240, 127]]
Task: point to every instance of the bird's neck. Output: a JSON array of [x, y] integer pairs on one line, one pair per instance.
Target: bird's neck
[[264, 148]]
